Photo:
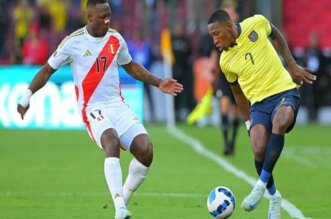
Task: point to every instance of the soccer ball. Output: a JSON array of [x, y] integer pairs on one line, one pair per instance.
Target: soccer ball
[[221, 202]]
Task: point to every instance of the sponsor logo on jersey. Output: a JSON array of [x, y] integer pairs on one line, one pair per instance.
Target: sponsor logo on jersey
[[87, 53]]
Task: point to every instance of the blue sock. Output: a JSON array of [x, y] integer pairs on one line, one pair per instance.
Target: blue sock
[[264, 176], [272, 190], [273, 151], [258, 167]]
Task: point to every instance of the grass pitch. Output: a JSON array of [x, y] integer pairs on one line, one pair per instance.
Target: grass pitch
[[59, 174]]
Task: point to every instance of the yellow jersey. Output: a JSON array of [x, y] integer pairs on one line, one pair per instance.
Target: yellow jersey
[[254, 62]]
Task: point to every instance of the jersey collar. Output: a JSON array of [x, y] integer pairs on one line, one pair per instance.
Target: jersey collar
[[239, 29], [239, 32], [92, 38]]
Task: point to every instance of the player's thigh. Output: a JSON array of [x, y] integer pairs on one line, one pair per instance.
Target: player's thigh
[[283, 119], [142, 149], [260, 131], [129, 138], [258, 117], [137, 141], [98, 123], [284, 114]]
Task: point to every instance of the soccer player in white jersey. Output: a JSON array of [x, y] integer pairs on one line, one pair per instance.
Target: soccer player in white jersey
[[94, 53]]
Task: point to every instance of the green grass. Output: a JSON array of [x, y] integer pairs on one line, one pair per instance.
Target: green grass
[[59, 174]]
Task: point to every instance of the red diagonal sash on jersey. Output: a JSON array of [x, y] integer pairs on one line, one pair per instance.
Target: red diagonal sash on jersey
[[93, 77]]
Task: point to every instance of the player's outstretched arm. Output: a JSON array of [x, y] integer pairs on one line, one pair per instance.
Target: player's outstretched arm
[[38, 82], [168, 85], [299, 74]]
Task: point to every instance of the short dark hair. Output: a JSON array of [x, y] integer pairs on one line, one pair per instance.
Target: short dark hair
[[220, 16], [95, 2]]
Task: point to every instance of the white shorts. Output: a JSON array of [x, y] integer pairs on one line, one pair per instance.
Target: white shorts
[[117, 116]]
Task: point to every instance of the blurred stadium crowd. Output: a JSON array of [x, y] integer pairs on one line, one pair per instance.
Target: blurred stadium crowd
[[30, 30]]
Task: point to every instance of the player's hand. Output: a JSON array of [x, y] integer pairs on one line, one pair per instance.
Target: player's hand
[[22, 110], [170, 86], [24, 103], [248, 127], [301, 75]]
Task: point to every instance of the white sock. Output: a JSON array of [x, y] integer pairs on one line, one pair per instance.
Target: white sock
[[137, 174], [261, 183], [276, 195], [113, 174]]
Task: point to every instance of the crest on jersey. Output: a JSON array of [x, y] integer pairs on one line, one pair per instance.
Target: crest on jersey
[[253, 36]]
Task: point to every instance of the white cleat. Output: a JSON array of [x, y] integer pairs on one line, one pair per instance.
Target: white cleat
[[253, 199], [122, 213], [274, 206]]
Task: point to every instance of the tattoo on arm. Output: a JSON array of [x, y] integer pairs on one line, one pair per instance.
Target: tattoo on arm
[[147, 76], [140, 73]]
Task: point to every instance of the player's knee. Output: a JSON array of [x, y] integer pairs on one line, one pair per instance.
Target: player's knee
[[258, 154], [110, 143], [149, 160], [145, 154], [280, 126], [282, 121], [147, 151], [259, 151]]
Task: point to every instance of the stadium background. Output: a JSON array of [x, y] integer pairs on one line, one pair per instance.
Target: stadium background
[[25, 22]]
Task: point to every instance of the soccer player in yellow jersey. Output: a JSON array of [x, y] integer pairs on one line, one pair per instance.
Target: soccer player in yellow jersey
[[265, 92]]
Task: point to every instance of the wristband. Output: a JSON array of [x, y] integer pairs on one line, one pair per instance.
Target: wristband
[[25, 100], [248, 124]]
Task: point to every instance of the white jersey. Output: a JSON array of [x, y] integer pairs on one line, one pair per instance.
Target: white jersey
[[94, 63]]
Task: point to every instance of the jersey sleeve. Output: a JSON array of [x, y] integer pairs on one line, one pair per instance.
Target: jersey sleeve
[[124, 56], [61, 56], [263, 23]]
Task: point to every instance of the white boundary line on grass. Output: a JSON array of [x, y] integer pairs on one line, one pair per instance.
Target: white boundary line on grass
[[198, 147], [98, 194], [295, 152]]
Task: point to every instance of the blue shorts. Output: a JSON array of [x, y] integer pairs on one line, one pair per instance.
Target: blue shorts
[[264, 111]]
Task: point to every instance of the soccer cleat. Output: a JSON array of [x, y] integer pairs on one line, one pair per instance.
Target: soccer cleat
[[122, 213], [253, 199], [274, 206]]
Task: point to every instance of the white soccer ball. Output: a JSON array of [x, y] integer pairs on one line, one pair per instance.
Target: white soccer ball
[[221, 202]]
